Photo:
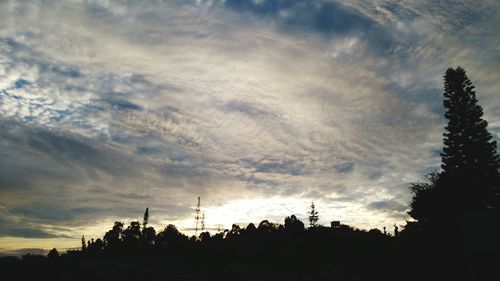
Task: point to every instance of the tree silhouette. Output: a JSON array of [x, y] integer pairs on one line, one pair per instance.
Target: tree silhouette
[[148, 236], [250, 228], [112, 238], [147, 233], [469, 160], [313, 216], [468, 144], [132, 234], [97, 246], [204, 236], [170, 237], [266, 227], [84, 245], [425, 202], [293, 224], [468, 185], [53, 254], [234, 232], [146, 218]]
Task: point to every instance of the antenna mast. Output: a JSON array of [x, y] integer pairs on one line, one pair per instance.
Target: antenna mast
[[203, 222], [197, 218]]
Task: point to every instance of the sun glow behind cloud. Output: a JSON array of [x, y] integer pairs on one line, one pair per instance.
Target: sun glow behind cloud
[[108, 107]]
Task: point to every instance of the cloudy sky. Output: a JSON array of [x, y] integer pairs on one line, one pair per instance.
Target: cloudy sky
[[258, 106]]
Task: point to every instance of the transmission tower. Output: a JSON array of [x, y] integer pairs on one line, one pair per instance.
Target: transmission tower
[[203, 222], [197, 218]]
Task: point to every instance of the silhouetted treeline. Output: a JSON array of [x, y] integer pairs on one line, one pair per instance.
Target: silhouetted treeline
[[268, 251], [454, 234]]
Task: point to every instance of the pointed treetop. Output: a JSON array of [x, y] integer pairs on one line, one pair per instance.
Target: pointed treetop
[[84, 245], [468, 146], [313, 216], [146, 218]]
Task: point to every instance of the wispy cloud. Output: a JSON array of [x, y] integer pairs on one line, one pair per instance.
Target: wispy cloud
[[108, 107]]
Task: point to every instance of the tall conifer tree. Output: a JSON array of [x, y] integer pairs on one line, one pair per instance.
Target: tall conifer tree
[[145, 219], [468, 185], [313, 216], [84, 245], [470, 162]]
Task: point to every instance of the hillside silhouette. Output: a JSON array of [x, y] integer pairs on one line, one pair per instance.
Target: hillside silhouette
[[454, 233]]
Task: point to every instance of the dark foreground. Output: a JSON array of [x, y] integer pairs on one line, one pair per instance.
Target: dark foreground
[[314, 254]]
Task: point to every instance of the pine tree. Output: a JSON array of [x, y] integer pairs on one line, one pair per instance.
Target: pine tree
[[146, 219], [467, 188], [470, 163], [313, 216], [84, 245]]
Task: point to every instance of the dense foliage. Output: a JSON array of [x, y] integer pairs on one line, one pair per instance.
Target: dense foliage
[[467, 189]]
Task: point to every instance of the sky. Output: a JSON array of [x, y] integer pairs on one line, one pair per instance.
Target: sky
[[257, 106]]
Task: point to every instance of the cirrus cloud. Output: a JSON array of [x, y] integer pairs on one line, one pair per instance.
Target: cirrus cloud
[[108, 107]]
